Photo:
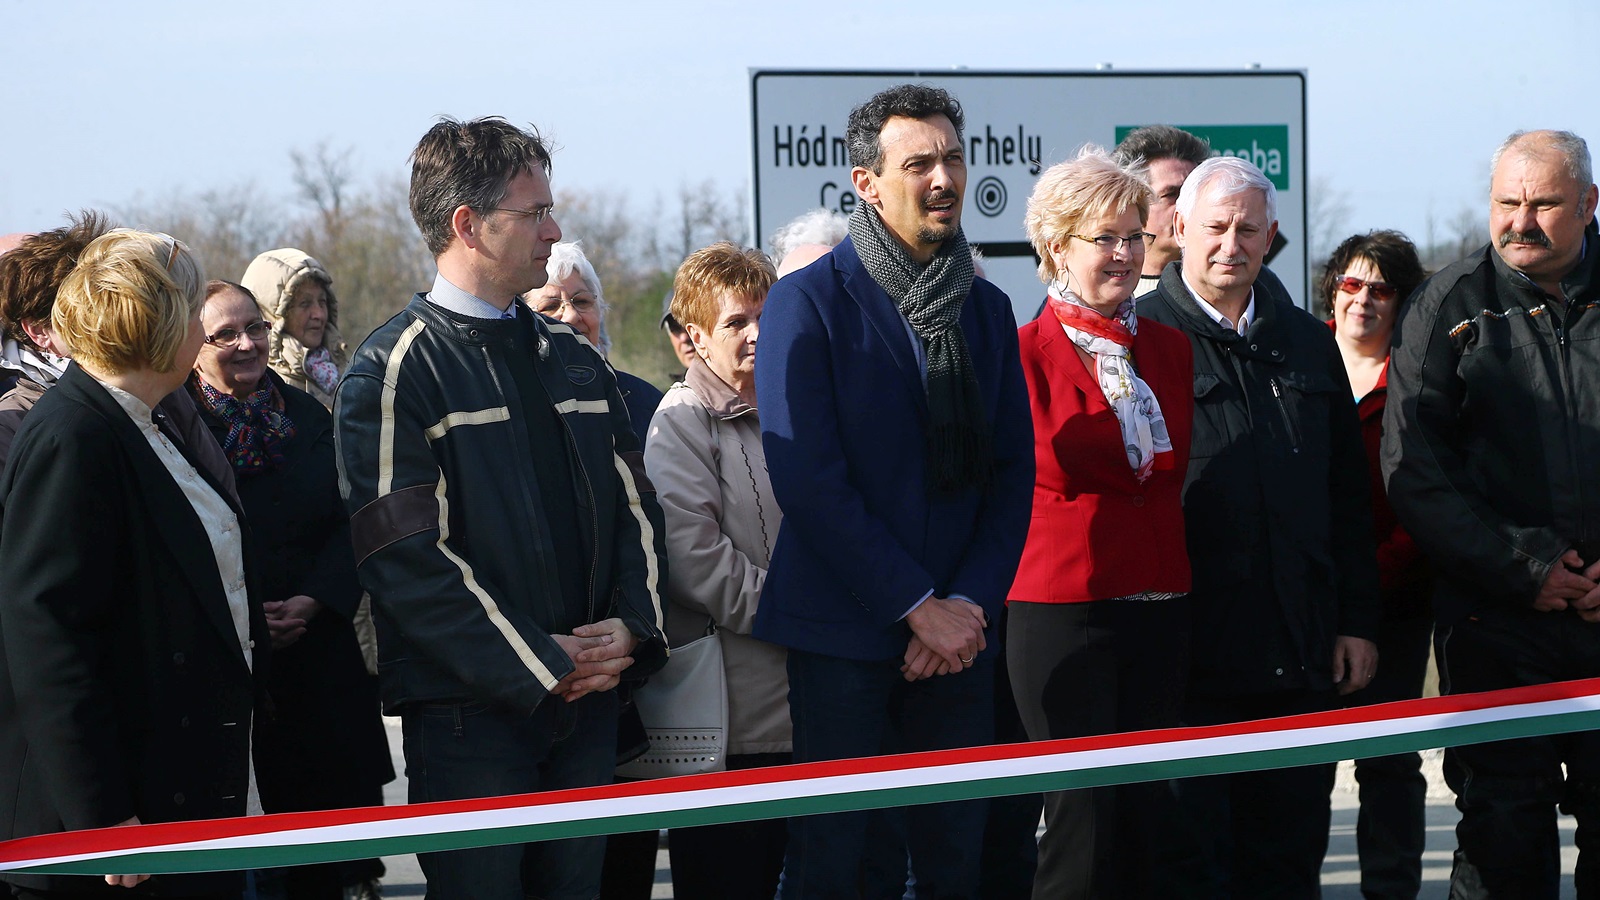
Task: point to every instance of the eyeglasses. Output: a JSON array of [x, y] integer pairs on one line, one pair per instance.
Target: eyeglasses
[[1382, 291], [1110, 243], [551, 306], [537, 214], [255, 331]]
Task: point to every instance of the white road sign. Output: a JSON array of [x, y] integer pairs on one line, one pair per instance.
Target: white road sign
[[1018, 124]]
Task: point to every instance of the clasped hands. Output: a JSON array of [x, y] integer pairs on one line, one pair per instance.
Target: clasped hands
[[600, 652], [1571, 586], [946, 636]]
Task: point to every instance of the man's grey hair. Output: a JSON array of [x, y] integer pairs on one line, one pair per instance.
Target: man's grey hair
[[1573, 149], [817, 226], [1231, 175], [566, 258]]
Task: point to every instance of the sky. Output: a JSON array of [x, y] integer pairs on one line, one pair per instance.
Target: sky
[[106, 102]]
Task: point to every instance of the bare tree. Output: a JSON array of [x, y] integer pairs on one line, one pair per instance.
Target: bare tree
[[1328, 212]]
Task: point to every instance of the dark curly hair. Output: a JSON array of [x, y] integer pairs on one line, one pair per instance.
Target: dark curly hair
[[914, 101], [31, 274], [1391, 252]]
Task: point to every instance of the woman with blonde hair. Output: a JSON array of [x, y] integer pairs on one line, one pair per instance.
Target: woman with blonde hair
[[128, 640], [1097, 633]]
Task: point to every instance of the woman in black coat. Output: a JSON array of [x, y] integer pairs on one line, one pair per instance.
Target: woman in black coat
[[323, 747], [128, 646]]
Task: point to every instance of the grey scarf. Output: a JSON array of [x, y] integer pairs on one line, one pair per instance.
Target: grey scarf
[[931, 298]]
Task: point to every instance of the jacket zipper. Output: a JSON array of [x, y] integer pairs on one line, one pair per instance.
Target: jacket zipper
[[594, 516], [527, 498], [1283, 410], [1574, 451]]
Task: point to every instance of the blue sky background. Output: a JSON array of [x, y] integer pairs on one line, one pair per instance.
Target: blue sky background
[[106, 101]]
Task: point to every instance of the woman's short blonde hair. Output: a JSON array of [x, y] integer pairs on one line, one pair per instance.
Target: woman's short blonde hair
[[129, 301], [1069, 194], [707, 274]]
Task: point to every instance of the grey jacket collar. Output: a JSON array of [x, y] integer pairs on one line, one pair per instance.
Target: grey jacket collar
[[719, 398]]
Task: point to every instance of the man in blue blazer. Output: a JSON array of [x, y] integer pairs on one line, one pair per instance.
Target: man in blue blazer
[[895, 421]]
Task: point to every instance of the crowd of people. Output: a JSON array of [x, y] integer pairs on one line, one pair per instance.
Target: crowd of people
[[1174, 498]]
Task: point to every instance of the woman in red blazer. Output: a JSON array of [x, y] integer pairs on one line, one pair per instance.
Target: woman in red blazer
[[1098, 621]]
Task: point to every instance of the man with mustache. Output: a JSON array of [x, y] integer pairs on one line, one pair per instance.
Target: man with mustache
[[1491, 437], [1279, 525], [900, 447]]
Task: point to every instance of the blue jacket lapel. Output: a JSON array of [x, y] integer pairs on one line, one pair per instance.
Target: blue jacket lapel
[[880, 310]]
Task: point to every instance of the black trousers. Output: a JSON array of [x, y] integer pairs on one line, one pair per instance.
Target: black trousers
[[736, 861], [1102, 667], [1508, 845], [1262, 834], [1391, 827]]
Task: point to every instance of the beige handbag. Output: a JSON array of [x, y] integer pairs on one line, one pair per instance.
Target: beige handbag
[[685, 712]]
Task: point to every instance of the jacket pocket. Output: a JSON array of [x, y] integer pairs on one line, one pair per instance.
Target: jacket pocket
[[1304, 401]]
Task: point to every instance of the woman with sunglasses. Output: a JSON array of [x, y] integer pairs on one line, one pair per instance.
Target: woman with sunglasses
[[324, 747], [1365, 282], [1097, 633]]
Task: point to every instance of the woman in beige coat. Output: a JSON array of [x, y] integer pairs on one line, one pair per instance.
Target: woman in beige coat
[[704, 456], [296, 297]]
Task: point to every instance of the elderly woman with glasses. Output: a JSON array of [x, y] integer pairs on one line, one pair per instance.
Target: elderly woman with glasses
[[572, 296], [1097, 633], [324, 747], [128, 637], [1365, 282]]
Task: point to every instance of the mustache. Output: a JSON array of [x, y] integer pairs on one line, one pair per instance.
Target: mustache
[[1536, 236], [1231, 260], [939, 197]]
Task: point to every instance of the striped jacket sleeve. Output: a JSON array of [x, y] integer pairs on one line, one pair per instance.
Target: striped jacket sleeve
[[399, 502], [640, 561]]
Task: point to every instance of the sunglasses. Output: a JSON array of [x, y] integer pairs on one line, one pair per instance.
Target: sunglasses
[[1381, 291]]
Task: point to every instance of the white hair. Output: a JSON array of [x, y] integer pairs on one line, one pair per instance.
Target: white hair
[[566, 258], [1573, 149], [1232, 175], [818, 226]]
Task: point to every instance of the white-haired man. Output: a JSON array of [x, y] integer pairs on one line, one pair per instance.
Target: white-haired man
[[1279, 528], [1490, 439]]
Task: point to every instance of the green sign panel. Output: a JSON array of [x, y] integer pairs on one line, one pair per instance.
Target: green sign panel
[[1267, 146]]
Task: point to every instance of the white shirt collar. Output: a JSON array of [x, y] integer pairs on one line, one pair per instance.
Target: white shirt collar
[[137, 409], [1245, 318], [449, 297]]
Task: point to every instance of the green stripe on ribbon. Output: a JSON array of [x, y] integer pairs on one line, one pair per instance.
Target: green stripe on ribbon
[[181, 859]]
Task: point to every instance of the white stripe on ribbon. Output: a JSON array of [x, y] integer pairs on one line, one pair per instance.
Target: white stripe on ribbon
[[1238, 752]]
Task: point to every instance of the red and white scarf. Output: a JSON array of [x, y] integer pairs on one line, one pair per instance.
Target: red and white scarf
[[1110, 341]]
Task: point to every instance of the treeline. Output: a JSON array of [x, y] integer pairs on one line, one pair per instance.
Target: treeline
[[363, 232]]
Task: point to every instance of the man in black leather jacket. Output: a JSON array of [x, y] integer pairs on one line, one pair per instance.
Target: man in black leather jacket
[[1491, 448], [500, 514], [1279, 525]]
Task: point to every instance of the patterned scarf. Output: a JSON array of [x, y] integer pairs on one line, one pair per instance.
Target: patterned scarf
[[930, 298], [257, 426], [37, 366], [1110, 341], [322, 370]]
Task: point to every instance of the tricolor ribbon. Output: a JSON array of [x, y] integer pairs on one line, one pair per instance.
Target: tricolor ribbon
[[807, 789]]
